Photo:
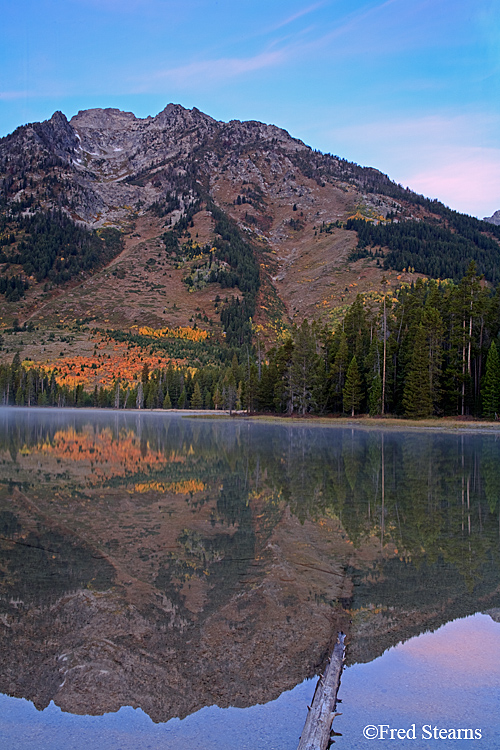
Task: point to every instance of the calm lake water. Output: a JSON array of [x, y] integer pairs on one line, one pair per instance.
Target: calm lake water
[[174, 582]]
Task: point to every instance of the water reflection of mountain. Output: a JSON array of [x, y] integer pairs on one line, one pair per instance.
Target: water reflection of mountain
[[218, 594], [172, 563], [403, 600]]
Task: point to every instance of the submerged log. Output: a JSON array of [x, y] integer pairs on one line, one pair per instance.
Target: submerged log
[[316, 732]]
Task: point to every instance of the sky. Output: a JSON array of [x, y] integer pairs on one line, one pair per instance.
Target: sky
[[410, 87]]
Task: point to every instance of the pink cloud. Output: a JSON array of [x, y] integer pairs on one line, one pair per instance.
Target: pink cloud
[[450, 158], [467, 180]]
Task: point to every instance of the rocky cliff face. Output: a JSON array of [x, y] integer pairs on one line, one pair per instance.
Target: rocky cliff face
[[110, 163], [107, 168], [495, 219], [289, 205]]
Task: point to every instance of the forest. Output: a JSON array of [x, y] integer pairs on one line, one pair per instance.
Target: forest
[[431, 349], [439, 248], [238, 268], [54, 249]]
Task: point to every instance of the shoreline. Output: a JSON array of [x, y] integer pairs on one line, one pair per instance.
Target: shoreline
[[435, 424]]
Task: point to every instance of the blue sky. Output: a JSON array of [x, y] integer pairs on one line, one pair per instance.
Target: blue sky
[[411, 87]]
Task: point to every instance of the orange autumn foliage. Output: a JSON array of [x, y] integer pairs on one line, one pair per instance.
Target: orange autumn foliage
[[107, 455], [124, 363]]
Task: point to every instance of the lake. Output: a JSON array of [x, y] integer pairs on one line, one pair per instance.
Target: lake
[[168, 581]]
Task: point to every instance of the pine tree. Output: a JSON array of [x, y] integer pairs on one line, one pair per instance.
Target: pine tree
[[466, 309], [375, 396], [357, 330], [353, 392], [197, 398], [417, 399], [302, 368], [338, 371], [182, 399], [152, 395], [373, 376], [434, 330], [490, 390], [217, 398], [207, 399]]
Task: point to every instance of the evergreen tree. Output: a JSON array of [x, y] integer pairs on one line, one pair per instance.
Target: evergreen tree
[[357, 330], [374, 381], [338, 371], [217, 398], [251, 387], [207, 399], [302, 369], [266, 386], [491, 384], [434, 329], [353, 392], [197, 398], [375, 396], [152, 395], [417, 400], [466, 311], [182, 399]]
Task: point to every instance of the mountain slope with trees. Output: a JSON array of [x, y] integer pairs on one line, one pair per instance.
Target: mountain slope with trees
[[280, 255]]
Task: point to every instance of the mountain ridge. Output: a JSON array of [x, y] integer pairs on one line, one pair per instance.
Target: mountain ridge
[[237, 229]]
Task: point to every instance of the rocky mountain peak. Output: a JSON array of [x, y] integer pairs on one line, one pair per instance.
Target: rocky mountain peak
[[97, 119], [176, 114], [495, 219], [56, 135]]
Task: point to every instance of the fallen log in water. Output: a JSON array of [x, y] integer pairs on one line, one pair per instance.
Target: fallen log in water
[[316, 732]]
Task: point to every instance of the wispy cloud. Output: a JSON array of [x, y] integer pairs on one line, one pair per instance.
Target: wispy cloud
[[376, 29], [355, 20], [296, 16], [213, 71]]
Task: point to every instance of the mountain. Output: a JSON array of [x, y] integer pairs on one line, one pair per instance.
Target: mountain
[[181, 222], [495, 219]]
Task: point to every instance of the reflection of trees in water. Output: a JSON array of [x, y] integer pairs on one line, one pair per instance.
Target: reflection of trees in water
[[42, 566], [436, 489], [223, 558], [434, 496]]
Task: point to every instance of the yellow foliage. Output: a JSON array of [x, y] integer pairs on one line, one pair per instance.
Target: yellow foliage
[[190, 334], [178, 488]]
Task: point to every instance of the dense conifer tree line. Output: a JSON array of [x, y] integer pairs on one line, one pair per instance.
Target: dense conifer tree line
[[53, 248], [441, 248], [431, 349]]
